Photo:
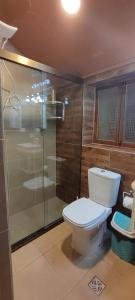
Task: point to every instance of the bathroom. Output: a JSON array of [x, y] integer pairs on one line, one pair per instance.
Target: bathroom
[[67, 134]]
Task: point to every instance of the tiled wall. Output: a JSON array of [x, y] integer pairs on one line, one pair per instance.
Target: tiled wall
[[121, 161], [5, 266], [68, 137], [88, 115]]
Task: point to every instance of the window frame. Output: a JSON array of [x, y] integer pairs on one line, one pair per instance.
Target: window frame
[[119, 139], [126, 143]]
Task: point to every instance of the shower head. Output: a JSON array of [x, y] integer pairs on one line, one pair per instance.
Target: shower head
[[6, 32]]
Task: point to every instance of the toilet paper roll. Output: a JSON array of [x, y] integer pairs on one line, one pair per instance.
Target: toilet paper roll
[[128, 202]]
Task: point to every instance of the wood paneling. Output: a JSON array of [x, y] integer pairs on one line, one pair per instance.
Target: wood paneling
[[92, 157], [6, 292], [68, 146], [88, 116], [123, 161], [110, 159]]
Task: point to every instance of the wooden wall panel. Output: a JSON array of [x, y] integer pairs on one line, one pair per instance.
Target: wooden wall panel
[[68, 147], [92, 157], [88, 116], [120, 162]]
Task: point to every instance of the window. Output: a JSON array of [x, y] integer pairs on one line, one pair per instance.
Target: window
[[129, 115], [115, 115]]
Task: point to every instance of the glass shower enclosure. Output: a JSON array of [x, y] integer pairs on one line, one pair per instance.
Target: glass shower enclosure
[[42, 121]]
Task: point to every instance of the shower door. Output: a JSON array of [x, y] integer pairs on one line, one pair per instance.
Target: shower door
[[24, 126], [42, 116]]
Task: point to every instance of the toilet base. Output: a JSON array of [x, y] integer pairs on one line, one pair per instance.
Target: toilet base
[[88, 242]]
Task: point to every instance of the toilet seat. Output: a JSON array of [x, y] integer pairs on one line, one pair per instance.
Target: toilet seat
[[86, 213]]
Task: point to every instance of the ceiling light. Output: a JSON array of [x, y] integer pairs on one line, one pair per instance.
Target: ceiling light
[[71, 6]]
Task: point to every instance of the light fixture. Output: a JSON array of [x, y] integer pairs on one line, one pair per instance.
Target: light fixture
[[71, 6]]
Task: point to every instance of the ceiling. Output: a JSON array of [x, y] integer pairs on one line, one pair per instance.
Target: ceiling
[[100, 36]]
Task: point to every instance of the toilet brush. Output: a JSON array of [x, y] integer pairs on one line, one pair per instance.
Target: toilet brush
[[133, 208]]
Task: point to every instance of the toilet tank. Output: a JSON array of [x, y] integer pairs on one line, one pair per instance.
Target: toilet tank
[[103, 186]]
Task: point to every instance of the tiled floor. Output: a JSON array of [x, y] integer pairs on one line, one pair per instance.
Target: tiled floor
[[48, 269]]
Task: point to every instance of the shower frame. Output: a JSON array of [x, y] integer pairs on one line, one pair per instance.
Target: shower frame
[[24, 61], [29, 63]]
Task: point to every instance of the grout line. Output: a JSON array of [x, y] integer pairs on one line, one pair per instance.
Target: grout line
[[25, 267], [54, 244], [35, 259]]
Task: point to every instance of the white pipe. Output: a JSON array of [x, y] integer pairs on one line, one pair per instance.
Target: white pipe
[[6, 32]]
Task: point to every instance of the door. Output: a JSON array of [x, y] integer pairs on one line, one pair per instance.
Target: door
[[23, 109]]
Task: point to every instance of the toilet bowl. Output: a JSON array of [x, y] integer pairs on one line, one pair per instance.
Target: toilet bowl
[[88, 222], [87, 216]]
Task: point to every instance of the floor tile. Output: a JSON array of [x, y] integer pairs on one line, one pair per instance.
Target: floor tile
[[30, 252], [43, 243], [24, 256], [48, 268], [38, 281], [117, 286], [120, 265], [60, 232], [67, 263]]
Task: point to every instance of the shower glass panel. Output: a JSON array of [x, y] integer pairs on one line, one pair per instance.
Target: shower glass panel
[[42, 116], [63, 145], [24, 153]]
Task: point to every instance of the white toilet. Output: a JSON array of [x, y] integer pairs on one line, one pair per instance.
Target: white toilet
[[87, 216]]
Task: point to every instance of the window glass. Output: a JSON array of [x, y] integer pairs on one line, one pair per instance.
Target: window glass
[[109, 100], [129, 124]]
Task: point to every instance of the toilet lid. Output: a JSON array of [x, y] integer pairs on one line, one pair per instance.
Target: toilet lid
[[83, 212]]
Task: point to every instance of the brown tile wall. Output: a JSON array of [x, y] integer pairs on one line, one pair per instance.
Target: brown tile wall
[[5, 265], [121, 162], [117, 160], [68, 137], [88, 115]]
